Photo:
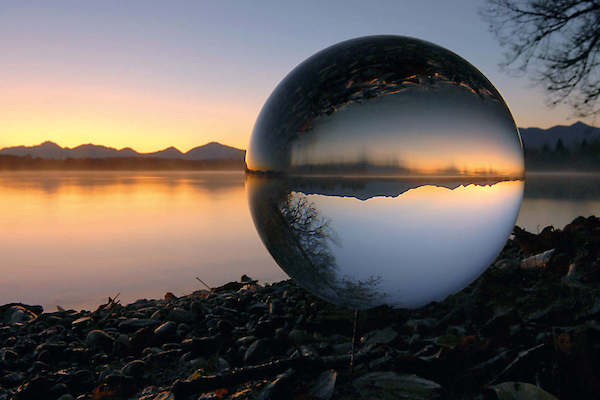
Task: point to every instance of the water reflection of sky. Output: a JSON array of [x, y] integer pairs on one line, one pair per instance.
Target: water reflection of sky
[[75, 238], [416, 247]]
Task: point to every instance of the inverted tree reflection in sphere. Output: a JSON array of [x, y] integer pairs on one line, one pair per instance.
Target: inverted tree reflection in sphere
[[384, 170]]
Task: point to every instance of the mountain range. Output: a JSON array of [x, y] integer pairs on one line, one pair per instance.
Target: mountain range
[[571, 136], [52, 151], [533, 138]]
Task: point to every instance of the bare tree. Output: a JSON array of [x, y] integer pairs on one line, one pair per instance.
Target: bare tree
[[560, 38]]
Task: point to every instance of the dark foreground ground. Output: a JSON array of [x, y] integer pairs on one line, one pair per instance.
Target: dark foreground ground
[[522, 324]]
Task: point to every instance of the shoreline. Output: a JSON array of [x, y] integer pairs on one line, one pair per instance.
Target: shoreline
[[531, 317]]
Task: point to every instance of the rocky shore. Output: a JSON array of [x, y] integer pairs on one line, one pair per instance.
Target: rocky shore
[[527, 327]]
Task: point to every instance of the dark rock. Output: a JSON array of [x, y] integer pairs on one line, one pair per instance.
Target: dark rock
[[12, 379], [183, 329], [278, 388], [8, 355], [142, 338], [382, 336], [37, 388], [59, 389], [17, 313], [229, 287], [203, 346], [66, 397], [164, 396], [133, 324], [224, 327], [521, 391], [180, 315], [135, 368], [166, 356], [258, 351], [390, 385], [166, 331], [47, 352], [170, 346], [99, 340], [298, 337], [325, 385]]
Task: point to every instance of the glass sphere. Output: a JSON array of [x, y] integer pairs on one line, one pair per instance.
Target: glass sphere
[[384, 170]]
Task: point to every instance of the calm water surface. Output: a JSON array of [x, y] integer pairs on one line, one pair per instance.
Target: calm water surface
[[557, 198], [74, 238]]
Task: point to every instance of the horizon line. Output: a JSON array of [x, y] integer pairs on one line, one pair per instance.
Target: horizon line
[[217, 142], [120, 149]]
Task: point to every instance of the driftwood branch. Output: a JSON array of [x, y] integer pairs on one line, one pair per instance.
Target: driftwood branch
[[229, 378]]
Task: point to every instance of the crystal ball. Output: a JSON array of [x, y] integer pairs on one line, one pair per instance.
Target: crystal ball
[[384, 170]]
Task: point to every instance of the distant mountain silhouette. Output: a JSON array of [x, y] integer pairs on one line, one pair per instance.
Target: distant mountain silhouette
[[52, 151], [170, 152], [214, 151], [571, 136]]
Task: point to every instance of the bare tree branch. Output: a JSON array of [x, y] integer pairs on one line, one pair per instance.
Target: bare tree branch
[[560, 39]]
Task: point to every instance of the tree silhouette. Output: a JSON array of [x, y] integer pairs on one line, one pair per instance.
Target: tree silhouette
[[561, 37], [560, 147]]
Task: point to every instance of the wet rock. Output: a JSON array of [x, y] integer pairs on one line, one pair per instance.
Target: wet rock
[[342, 348], [298, 337], [166, 331], [99, 340], [178, 314], [12, 379], [133, 324], [382, 336], [59, 389], [222, 364], [258, 351], [8, 355], [390, 385], [537, 261], [325, 385], [37, 388], [183, 329], [202, 345], [164, 396], [278, 388], [66, 397], [19, 314], [83, 321], [135, 368], [521, 391]]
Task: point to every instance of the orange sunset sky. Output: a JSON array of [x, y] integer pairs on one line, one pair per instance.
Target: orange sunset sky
[[149, 75]]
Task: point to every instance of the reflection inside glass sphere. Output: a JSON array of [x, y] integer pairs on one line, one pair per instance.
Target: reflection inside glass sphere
[[362, 243], [384, 170]]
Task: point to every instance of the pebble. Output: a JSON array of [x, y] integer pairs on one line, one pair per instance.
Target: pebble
[[99, 340]]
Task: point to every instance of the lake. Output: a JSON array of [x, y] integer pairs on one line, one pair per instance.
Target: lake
[[74, 238]]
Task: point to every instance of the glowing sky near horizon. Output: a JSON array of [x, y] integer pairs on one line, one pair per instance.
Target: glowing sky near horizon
[[149, 74]]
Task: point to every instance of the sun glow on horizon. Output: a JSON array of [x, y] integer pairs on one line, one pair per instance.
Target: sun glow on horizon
[[115, 117]]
